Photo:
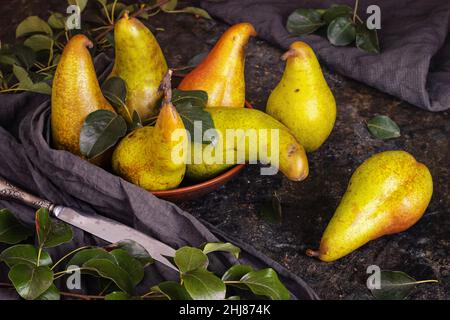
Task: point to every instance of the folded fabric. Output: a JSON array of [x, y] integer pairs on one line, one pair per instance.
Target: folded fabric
[[28, 162], [414, 64]]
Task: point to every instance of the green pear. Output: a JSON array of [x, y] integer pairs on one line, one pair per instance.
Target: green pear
[[302, 100], [75, 94], [292, 160], [140, 62], [145, 156], [387, 194]]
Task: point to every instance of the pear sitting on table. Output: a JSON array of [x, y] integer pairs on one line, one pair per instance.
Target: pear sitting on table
[[145, 156]]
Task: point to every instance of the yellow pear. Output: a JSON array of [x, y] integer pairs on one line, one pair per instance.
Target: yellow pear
[[221, 73], [387, 194], [145, 157], [140, 62], [75, 94], [302, 100], [242, 123]]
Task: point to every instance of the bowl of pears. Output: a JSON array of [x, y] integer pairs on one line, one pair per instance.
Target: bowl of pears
[[145, 155]]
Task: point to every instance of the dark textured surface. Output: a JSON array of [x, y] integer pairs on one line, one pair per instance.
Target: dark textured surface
[[423, 251]]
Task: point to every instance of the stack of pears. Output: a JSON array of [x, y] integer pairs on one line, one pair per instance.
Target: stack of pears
[[387, 194]]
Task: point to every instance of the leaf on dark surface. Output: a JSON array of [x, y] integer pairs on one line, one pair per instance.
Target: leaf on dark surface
[[271, 210], [337, 10], [236, 272], [26, 84], [100, 131], [118, 295], [396, 285], [304, 21], [383, 127], [109, 270], [51, 233], [30, 281], [169, 6], [81, 3], [24, 254], [51, 293], [204, 285], [172, 290], [196, 98], [341, 31], [57, 21], [25, 55], [115, 91], [367, 40], [39, 42], [189, 259], [221, 246], [135, 250], [129, 264], [195, 11], [11, 230], [33, 24], [266, 283], [85, 255]]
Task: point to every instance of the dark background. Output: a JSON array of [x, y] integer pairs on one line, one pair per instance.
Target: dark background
[[422, 252]]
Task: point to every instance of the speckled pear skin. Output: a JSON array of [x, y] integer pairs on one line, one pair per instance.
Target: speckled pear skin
[[221, 73], [140, 62], [387, 194], [144, 157], [302, 100], [75, 94], [293, 162]]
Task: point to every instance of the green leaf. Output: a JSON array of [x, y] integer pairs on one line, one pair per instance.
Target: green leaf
[[383, 127], [234, 298], [25, 82], [266, 283], [39, 42], [341, 31], [396, 285], [129, 264], [100, 131], [85, 255], [169, 6], [25, 55], [30, 281], [118, 295], [109, 270], [204, 285], [172, 290], [118, 9], [220, 246], [197, 98], [115, 90], [236, 272], [196, 11], [57, 21], [11, 230], [81, 3], [188, 259], [304, 21], [271, 210], [52, 293], [51, 233], [335, 11], [136, 122], [135, 250], [367, 40], [191, 115], [24, 254], [33, 24]]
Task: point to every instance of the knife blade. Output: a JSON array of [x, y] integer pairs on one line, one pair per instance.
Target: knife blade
[[99, 226]]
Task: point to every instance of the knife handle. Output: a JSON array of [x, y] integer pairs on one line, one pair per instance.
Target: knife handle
[[11, 192]]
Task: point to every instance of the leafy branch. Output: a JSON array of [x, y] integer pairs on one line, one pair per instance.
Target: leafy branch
[[120, 267]]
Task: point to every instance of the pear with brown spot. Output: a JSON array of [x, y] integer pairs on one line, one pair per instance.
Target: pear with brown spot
[[140, 62], [75, 94], [387, 194]]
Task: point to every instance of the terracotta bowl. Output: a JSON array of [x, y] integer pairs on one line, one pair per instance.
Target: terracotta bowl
[[197, 190]]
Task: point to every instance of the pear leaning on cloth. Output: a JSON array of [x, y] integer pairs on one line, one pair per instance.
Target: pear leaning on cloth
[[140, 62], [221, 73], [145, 156], [302, 100], [387, 194], [75, 94]]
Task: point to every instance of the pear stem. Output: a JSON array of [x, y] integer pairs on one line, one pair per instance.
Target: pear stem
[[166, 87], [135, 14], [312, 253]]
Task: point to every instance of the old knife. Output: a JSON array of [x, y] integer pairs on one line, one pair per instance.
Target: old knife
[[104, 228]]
